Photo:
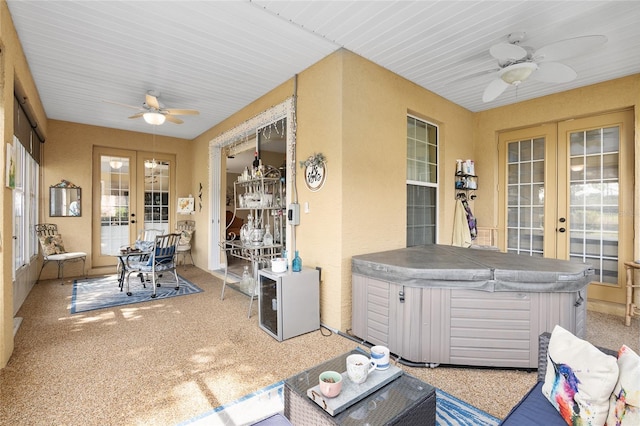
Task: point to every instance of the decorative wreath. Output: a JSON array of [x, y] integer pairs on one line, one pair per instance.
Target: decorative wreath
[[313, 160]]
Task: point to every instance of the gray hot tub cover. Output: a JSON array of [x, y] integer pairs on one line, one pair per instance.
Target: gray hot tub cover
[[456, 267]]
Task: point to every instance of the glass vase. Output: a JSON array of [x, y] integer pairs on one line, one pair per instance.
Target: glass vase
[[296, 265]]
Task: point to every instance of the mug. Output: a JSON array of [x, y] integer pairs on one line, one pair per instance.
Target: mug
[[381, 355], [330, 383], [359, 367]]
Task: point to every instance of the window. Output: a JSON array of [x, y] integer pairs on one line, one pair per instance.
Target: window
[[25, 207], [422, 181]]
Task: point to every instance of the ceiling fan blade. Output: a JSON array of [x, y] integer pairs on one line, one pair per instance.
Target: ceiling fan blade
[[494, 89], [569, 48], [507, 52], [152, 101], [173, 119], [474, 75], [181, 111], [138, 115], [554, 72], [124, 105]]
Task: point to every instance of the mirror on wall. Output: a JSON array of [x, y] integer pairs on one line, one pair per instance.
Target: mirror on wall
[[64, 201]]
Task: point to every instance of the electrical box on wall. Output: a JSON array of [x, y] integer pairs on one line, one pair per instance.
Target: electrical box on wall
[[293, 214]]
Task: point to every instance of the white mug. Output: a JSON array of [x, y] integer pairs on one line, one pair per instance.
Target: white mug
[[380, 354], [359, 367]]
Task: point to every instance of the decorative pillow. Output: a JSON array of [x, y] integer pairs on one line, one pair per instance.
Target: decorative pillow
[[579, 379], [52, 244], [185, 237], [624, 405]]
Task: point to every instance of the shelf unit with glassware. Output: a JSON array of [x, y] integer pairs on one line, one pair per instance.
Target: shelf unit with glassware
[[263, 198]]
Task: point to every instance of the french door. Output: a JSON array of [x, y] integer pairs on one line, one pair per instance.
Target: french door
[[133, 191], [567, 193]]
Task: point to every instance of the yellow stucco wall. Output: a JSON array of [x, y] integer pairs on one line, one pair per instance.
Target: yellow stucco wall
[[354, 112]]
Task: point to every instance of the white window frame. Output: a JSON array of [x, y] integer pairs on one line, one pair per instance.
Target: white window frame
[[431, 184], [25, 207]]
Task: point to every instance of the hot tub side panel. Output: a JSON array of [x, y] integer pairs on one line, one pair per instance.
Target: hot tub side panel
[[461, 327]]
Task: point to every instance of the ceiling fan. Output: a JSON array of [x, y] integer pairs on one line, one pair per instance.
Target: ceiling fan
[[154, 112], [518, 63]]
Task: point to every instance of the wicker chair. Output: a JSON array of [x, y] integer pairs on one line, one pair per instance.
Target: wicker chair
[[53, 249], [161, 259]]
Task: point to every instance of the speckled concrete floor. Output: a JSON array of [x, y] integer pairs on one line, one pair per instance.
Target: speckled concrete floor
[[167, 361]]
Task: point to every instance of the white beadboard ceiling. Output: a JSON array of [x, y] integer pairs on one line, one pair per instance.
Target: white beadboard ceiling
[[218, 56]]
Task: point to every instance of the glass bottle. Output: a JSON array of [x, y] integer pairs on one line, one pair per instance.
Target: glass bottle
[[246, 278], [296, 265], [276, 229], [267, 239]]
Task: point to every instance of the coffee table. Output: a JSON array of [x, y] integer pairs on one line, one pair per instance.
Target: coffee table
[[404, 401]]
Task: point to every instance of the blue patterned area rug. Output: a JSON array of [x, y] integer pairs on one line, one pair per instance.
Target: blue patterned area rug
[[104, 292], [450, 411]]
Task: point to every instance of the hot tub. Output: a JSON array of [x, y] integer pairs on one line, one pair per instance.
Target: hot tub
[[440, 304]]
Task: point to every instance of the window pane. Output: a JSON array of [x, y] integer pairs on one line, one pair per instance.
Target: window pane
[[594, 200], [422, 151], [421, 214], [525, 197], [422, 166]]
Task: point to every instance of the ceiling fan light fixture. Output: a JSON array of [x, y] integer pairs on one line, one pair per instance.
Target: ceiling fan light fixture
[[517, 73], [154, 118], [115, 164], [150, 164]]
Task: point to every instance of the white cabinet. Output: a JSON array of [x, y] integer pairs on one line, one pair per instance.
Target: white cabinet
[[289, 303]]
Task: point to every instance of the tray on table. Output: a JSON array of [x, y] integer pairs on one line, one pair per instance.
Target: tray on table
[[351, 392]]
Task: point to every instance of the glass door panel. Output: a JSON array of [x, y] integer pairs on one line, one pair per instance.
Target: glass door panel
[[155, 183], [113, 211], [527, 159], [600, 184]]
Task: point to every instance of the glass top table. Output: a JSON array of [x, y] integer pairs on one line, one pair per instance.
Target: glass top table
[[406, 400]]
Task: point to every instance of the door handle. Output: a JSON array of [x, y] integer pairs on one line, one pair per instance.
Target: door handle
[[133, 221], [562, 220], [561, 230]]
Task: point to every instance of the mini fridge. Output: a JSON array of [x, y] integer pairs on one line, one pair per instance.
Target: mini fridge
[[289, 302]]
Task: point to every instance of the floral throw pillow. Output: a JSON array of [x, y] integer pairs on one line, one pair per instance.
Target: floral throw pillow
[[52, 244], [579, 379], [185, 237], [624, 405]]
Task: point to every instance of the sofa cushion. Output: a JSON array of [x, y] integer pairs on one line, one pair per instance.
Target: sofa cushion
[[534, 409], [579, 379], [624, 405]]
